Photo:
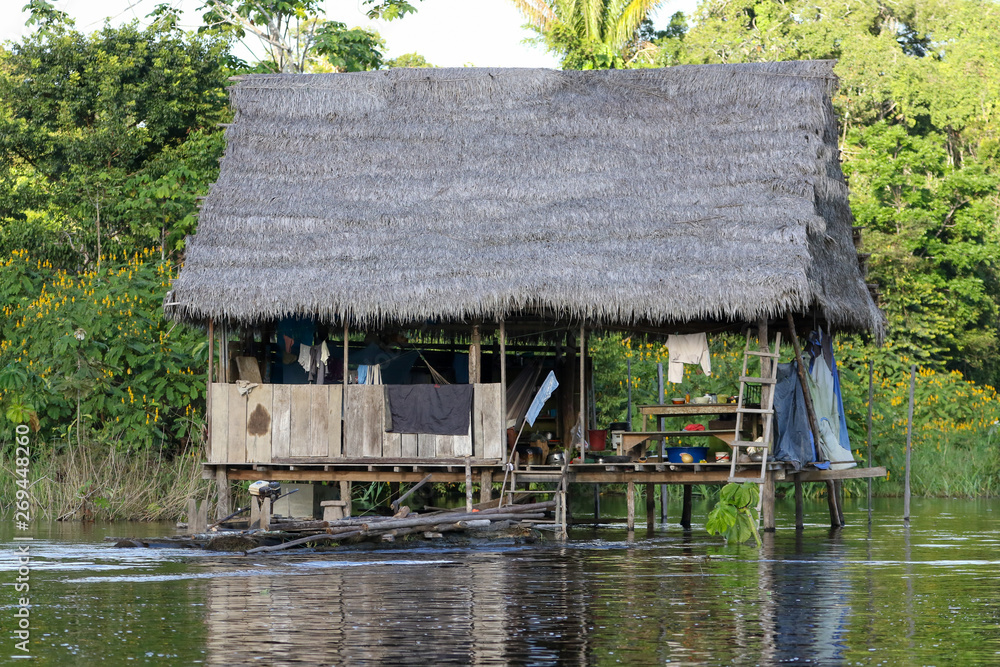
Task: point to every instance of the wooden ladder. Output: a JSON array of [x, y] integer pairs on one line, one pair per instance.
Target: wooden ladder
[[559, 494], [766, 378]]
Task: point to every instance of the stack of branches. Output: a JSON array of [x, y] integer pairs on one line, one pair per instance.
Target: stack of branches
[[387, 529]]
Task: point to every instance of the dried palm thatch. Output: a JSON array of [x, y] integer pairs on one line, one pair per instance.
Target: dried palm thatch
[[663, 196]]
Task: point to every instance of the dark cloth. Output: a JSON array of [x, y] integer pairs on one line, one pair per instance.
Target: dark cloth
[[793, 437], [429, 408]]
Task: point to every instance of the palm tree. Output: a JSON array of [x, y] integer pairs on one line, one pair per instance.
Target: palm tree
[[590, 34]]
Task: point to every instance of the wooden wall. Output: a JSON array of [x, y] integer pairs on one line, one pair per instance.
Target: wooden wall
[[281, 423]]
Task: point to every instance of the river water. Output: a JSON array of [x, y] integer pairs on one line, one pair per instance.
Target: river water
[[926, 595]]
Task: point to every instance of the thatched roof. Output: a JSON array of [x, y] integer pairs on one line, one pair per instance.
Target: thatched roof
[[663, 196]]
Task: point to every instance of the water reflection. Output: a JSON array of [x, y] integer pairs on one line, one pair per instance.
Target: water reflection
[[891, 595]]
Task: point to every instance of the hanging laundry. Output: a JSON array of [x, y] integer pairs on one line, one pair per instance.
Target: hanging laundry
[[689, 349], [824, 385], [305, 356]]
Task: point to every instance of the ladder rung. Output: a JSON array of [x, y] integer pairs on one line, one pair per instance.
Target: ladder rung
[[747, 443], [754, 411], [534, 492], [745, 378], [758, 353], [737, 480]]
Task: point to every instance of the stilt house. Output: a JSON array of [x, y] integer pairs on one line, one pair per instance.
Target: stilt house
[[461, 216]]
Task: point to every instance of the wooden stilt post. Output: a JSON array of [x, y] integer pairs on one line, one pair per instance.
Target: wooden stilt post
[[475, 357], [222, 488], [663, 441], [650, 506], [767, 503], [630, 502], [486, 486], [345, 495], [799, 518], [583, 390], [831, 501], [838, 487], [347, 349], [909, 437], [208, 392], [597, 502], [811, 414], [871, 396], [503, 385], [686, 508], [468, 484]]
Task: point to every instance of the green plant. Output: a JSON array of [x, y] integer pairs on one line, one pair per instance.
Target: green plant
[[735, 514]]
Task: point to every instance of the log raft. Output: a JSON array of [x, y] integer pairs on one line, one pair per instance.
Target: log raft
[[510, 519]]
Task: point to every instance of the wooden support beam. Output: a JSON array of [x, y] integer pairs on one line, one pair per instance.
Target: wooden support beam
[[583, 390], [345, 495], [475, 356], [222, 508], [650, 507], [686, 508], [485, 486], [767, 503], [838, 487], [208, 389], [831, 501], [468, 485], [630, 502], [799, 509]]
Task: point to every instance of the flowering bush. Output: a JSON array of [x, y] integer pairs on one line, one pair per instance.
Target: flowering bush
[[92, 352]]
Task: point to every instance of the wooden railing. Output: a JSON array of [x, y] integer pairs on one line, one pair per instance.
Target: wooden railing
[[282, 423]]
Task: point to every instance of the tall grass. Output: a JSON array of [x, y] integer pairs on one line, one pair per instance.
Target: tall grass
[[101, 482]]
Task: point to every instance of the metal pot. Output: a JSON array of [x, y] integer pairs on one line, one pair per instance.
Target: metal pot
[[556, 459]]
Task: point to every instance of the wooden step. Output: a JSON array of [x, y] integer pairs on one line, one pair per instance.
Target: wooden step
[[753, 380], [758, 353], [754, 411], [747, 443]]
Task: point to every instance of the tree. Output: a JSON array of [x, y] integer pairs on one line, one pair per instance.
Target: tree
[[92, 127], [920, 124], [600, 34], [408, 60], [293, 32]]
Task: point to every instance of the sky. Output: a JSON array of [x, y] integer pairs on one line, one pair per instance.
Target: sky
[[448, 33]]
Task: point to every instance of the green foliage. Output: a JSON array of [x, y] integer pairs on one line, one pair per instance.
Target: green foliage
[[95, 344], [607, 34], [296, 38], [955, 422], [408, 60], [96, 130], [919, 84], [735, 514]]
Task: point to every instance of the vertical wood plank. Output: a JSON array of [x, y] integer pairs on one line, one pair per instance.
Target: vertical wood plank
[[408, 445], [364, 425], [374, 402], [237, 425], [462, 444], [319, 436], [219, 449], [488, 426], [334, 420], [281, 423], [260, 422], [392, 445], [426, 446], [298, 444], [445, 448]]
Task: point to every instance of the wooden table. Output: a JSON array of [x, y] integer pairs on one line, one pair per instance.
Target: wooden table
[[632, 438]]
